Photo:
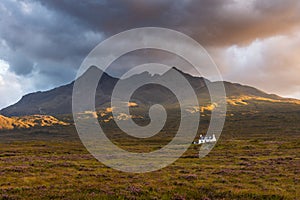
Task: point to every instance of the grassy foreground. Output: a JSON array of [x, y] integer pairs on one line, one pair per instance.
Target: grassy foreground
[[51, 163]]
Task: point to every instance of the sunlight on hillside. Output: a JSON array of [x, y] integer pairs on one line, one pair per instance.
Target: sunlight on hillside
[[29, 121], [243, 100]]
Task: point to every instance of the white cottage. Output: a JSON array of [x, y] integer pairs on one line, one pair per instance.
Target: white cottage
[[206, 139]]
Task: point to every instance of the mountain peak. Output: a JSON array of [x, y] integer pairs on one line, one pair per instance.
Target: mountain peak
[[175, 68], [94, 68], [95, 72], [184, 73], [91, 70]]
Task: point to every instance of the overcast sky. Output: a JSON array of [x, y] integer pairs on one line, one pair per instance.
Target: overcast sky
[[253, 42]]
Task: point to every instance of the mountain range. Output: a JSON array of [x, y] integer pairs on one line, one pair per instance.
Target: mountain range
[[59, 100]]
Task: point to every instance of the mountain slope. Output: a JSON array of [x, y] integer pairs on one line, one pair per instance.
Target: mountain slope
[[59, 100]]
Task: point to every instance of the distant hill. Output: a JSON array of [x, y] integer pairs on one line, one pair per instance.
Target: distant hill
[[59, 100]]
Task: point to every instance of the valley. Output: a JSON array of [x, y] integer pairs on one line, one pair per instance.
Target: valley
[[257, 157]]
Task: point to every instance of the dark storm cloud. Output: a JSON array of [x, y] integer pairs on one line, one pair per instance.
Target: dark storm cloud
[[36, 36], [64, 31], [211, 22]]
